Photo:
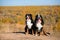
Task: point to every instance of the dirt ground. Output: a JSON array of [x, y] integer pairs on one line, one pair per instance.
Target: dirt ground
[[22, 36], [7, 35]]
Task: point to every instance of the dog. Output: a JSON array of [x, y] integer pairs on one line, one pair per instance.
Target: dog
[[38, 25], [29, 23]]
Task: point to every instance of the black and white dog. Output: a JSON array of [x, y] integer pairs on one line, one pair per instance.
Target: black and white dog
[[38, 24], [29, 23]]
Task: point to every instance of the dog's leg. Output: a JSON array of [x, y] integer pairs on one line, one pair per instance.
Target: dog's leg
[[35, 32], [26, 29], [38, 33], [30, 31]]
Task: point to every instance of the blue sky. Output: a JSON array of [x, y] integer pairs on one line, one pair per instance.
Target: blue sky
[[28, 2]]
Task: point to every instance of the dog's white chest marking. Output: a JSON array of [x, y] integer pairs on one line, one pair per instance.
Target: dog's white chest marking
[[38, 24], [29, 23]]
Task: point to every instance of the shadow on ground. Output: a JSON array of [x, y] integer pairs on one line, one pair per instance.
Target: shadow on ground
[[19, 32]]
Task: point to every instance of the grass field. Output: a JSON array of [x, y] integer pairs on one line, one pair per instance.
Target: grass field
[[15, 15]]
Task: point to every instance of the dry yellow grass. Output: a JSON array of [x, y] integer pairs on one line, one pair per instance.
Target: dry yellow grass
[[16, 15]]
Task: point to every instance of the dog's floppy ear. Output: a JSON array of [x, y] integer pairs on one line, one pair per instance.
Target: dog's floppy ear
[[36, 17], [42, 20], [41, 16], [26, 16]]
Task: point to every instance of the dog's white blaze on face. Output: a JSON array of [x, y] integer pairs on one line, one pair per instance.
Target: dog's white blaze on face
[[38, 24], [29, 23]]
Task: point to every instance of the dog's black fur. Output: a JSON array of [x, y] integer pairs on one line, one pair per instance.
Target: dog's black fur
[[35, 29], [26, 27]]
